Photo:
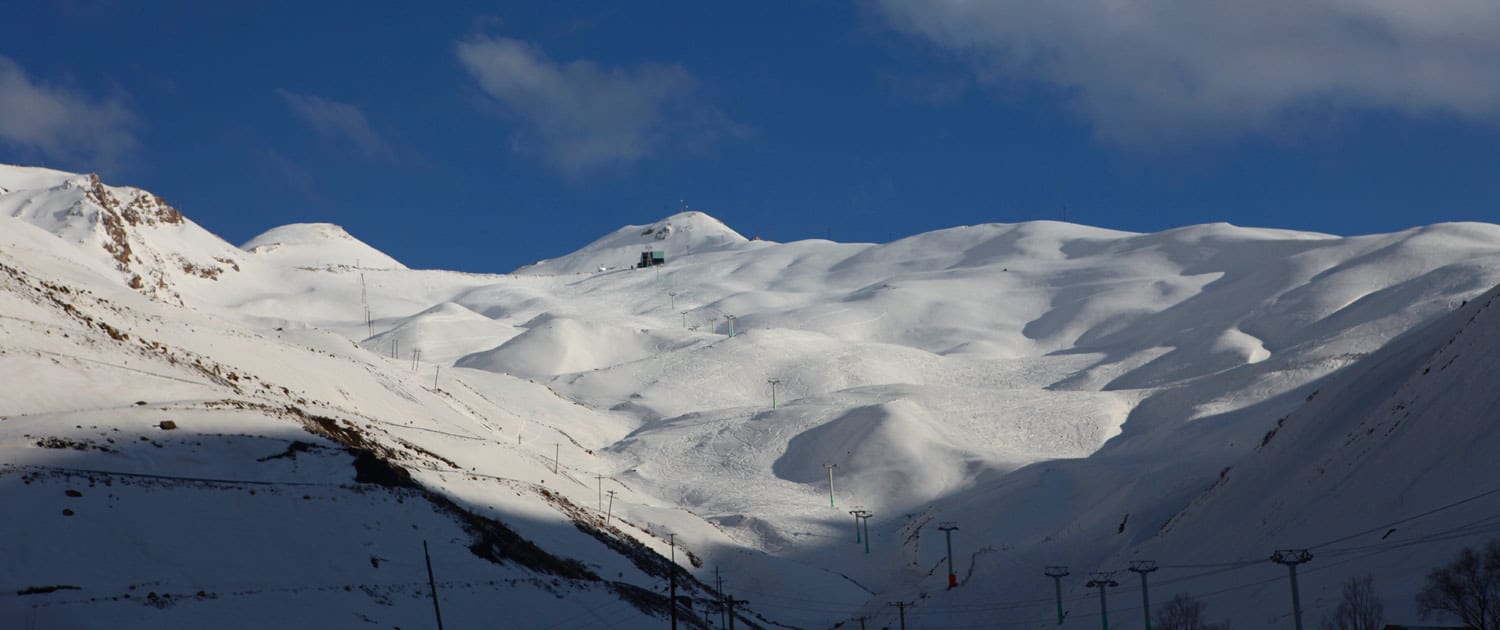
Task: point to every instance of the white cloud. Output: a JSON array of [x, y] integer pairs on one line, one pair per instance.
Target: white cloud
[[579, 115], [60, 124], [338, 120], [1153, 71]]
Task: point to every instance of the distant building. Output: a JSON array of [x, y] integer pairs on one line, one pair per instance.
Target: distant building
[[652, 258]]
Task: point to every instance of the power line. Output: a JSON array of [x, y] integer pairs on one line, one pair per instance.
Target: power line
[[1216, 568], [1484, 525], [902, 606], [205, 480], [1347, 554], [1490, 523], [1409, 518], [1487, 524]]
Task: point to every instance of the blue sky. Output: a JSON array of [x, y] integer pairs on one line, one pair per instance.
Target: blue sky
[[483, 136]]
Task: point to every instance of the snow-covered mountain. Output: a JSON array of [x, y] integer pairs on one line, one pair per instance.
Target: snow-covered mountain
[[127, 231], [678, 235], [1067, 395], [317, 245]]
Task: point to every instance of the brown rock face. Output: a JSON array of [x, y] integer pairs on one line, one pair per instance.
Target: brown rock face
[[117, 215]]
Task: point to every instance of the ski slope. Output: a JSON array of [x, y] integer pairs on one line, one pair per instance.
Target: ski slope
[[1068, 395]]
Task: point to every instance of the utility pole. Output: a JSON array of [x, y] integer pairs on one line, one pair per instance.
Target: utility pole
[[437, 369], [684, 319], [856, 512], [719, 590], [902, 606], [731, 319], [610, 510], [1291, 558], [673, 295], [599, 481], [830, 467], [1057, 574], [1143, 567], [708, 608], [1102, 580], [947, 529], [432, 584], [731, 602], [556, 454], [672, 577], [862, 622], [774, 382]]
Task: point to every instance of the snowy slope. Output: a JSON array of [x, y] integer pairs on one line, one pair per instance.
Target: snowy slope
[[1387, 468], [252, 512], [1382, 469], [1067, 394]]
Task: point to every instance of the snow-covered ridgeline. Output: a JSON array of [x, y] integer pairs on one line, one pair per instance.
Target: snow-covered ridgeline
[[1064, 392]]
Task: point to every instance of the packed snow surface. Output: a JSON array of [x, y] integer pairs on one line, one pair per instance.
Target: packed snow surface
[[1067, 395]]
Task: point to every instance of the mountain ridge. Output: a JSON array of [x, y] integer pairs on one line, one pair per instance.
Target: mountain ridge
[[1062, 391]]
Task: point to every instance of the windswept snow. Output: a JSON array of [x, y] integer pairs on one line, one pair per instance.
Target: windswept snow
[[1069, 395]]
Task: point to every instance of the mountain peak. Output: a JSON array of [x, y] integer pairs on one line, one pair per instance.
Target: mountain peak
[[74, 206], [317, 245], [678, 235], [135, 232]]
